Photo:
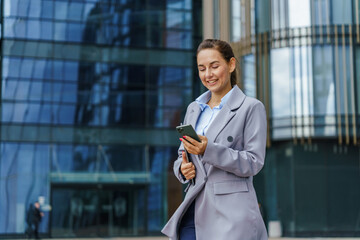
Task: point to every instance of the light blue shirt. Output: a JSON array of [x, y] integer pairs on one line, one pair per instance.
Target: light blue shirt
[[207, 114]]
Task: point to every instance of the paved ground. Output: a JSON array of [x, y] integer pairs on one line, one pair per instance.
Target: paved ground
[[164, 238]]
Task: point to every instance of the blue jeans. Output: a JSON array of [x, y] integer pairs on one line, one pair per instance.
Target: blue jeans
[[187, 225]]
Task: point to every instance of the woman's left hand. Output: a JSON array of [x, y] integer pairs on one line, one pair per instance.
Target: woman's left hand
[[193, 146]]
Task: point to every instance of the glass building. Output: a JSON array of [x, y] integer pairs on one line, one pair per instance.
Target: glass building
[[91, 91], [301, 58]]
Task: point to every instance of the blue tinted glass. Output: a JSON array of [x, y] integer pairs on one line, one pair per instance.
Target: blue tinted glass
[[5, 67], [7, 111], [178, 39], [34, 29], [56, 91], [84, 158], [26, 68], [118, 158], [14, 67], [35, 9], [39, 69], [159, 161], [169, 76], [47, 9], [249, 77], [47, 91], [69, 92], [179, 4], [18, 112], [9, 27], [74, 32], [157, 37], [19, 29], [58, 70], [25, 165], [129, 116], [75, 11], [88, 10], [8, 89], [71, 70], [10, 8], [156, 18], [63, 160], [22, 90], [48, 69], [46, 31], [170, 97], [341, 12], [23, 8], [36, 90], [178, 19], [280, 75], [164, 117], [65, 114], [59, 31], [61, 10], [45, 113], [33, 113]]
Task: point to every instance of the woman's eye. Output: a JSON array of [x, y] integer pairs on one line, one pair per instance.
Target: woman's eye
[[214, 67], [201, 69]]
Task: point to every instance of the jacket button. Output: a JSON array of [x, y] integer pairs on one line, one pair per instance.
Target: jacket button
[[205, 179]]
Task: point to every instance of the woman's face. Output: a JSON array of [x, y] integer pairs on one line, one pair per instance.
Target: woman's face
[[214, 71]]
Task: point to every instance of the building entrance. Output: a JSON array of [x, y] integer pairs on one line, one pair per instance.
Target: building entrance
[[97, 210]]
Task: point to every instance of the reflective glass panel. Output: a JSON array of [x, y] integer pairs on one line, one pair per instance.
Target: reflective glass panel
[[23, 179], [299, 13]]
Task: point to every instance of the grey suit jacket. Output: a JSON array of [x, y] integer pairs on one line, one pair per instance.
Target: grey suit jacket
[[226, 206]]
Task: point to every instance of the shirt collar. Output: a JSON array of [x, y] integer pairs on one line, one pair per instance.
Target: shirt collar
[[204, 98]]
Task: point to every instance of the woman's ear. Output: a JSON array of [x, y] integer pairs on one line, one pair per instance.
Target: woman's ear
[[232, 64]]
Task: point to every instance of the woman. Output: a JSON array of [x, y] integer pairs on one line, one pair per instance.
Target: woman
[[222, 204]]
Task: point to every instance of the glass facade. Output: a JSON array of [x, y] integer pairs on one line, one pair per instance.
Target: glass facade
[[302, 62], [90, 94]]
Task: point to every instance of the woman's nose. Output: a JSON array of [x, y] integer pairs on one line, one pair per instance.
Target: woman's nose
[[208, 73]]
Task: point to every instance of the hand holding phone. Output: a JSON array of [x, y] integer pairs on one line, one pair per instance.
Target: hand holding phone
[[187, 130]]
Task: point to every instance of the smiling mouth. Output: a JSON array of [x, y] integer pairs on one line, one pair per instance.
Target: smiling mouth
[[212, 81]]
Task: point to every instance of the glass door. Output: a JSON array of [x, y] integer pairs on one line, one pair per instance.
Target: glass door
[[93, 212]]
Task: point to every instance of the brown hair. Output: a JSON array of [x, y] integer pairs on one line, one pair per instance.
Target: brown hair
[[224, 49]]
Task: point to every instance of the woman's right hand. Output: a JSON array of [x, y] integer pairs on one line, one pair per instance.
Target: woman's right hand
[[187, 168]]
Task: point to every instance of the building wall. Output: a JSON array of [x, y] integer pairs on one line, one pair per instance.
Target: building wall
[[91, 92], [301, 59]]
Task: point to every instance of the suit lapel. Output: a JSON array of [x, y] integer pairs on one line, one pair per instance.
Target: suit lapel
[[226, 114], [194, 115], [192, 119]]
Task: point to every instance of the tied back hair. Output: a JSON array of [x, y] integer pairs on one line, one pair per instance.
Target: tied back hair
[[224, 49]]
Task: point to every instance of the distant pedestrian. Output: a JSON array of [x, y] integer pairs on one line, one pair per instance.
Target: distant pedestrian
[[33, 219]]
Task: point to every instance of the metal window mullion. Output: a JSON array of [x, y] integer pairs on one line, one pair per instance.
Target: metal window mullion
[[313, 30], [310, 99], [357, 20], [347, 138], [301, 95], [267, 100], [292, 90], [352, 82], [328, 19], [320, 22], [260, 94], [337, 85]]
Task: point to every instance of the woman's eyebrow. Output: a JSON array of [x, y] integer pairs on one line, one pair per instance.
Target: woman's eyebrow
[[201, 65]]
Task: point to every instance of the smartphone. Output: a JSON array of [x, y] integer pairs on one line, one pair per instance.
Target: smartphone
[[188, 130]]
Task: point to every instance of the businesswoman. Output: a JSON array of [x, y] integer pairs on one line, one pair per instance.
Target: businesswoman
[[222, 203]]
